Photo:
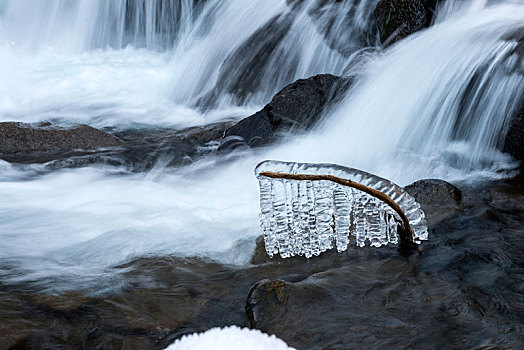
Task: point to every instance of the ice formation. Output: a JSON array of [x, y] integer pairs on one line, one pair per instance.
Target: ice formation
[[229, 338], [303, 217]]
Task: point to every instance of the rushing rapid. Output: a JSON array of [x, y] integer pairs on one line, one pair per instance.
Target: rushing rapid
[[433, 105]]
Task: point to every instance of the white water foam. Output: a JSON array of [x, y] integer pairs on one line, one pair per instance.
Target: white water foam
[[188, 51]]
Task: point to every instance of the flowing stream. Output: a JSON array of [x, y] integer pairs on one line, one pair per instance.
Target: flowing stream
[[433, 105]]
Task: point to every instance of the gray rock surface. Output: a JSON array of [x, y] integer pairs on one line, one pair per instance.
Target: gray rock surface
[[135, 149], [20, 141], [439, 199]]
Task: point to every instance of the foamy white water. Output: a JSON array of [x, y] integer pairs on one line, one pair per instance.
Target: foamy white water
[[195, 59], [399, 121], [438, 103], [100, 88]]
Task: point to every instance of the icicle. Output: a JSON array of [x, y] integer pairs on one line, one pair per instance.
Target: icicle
[[324, 214], [343, 202], [306, 215]]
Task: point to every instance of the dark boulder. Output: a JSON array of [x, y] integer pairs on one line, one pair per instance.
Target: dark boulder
[[431, 7], [396, 19], [439, 199], [514, 140], [296, 108], [28, 142]]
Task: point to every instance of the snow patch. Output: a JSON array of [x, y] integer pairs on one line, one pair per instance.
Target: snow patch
[[229, 338]]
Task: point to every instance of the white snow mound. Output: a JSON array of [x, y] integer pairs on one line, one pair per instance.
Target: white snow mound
[[229, 338]]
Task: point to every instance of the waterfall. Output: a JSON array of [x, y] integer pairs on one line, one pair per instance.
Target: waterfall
[[243, 52], [443, 96], [86, 24], [223, 52]]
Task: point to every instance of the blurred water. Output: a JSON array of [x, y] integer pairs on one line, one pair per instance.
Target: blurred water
[[220, 52], [433, 105]]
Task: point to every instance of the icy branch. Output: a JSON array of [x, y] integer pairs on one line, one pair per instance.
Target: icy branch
[[307, 209]]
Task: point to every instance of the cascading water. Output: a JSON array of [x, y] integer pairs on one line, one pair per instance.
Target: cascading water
[[248, 51], [187, 55], [407, 117], [461, 81], [86, 24]]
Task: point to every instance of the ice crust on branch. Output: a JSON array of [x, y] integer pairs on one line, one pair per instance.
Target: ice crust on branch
[[303, 217]]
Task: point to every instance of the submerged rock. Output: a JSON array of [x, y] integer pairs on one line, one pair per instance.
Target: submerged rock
[[396, 19], [31, 143], [145, 148], [134, 149], [297, 107], [439, 199], [266, 301]]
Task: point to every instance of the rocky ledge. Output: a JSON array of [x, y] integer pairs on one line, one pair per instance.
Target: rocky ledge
[[296, 108], [81, 145], [20, 142]]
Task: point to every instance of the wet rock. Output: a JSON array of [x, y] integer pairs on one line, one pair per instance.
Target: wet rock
[[260, 255], [508, 196], [143, 149], [431, 7], [396, 19], [266, 301], [297, 107], [514, 140], [342, 29], [36, 142], [439, 199], [136, 150]]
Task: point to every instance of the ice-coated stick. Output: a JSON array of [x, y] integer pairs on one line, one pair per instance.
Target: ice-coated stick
[[406, 236]]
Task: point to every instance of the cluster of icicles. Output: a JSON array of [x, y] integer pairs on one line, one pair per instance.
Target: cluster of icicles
[[302, 217]]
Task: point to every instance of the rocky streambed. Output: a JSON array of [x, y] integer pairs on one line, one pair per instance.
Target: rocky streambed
[[463, 289]]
